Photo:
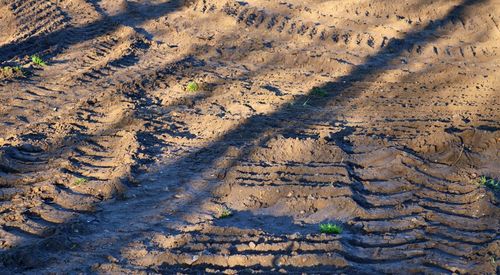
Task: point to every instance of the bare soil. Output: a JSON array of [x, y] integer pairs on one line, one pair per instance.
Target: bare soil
[[379, 116]]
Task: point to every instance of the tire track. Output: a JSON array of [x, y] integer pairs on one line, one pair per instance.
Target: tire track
[[397, 223], [404, 199], [38, 17], [281, 24]]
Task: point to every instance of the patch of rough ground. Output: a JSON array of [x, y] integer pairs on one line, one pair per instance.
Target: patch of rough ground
[[378, 116]]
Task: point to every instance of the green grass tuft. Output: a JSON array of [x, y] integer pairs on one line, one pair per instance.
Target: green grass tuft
[[330, 228], [225, 213], [192, 86], [489, 183], [37, 60], [317, 91], [80, 181]]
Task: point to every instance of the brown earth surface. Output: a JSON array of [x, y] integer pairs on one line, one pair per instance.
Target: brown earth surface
[[379, 116]]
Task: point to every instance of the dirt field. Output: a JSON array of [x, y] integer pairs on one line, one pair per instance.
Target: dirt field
[[382, 117]]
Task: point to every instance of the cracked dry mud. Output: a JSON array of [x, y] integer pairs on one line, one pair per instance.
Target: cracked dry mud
[[379, 116]]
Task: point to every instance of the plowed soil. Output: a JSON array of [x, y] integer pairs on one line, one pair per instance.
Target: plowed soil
[[379, 116]]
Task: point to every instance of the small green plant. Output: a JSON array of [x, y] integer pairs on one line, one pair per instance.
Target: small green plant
[[330, 228], [317, 91], [80, 181], [489, 183], [193, 86], [225, 213], [11, 72], [37, 60]]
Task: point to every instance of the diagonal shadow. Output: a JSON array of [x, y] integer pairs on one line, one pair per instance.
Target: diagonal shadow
[[257, 126], [375, 65], [68, 36], [135, 92]]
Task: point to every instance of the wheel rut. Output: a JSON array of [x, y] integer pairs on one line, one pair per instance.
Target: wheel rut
[[382, 118]]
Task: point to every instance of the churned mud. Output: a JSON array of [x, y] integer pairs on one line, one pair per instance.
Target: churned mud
[[382, 117]]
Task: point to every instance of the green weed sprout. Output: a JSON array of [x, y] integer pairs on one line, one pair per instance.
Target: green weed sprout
[[483, 180], [193, 86], [225, 213], [80, 181], [330, 228], [489, 183], [37, 60], [317, 91]]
